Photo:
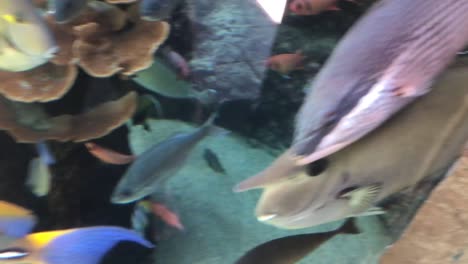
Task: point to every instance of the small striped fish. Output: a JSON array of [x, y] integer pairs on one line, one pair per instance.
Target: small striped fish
[[387, 60]]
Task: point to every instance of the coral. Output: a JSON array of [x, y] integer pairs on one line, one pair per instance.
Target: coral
[[125, 52], [29, 122], [44, 83]]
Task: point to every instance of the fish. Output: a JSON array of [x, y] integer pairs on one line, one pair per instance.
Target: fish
[[388, 59], [85, 245], [15, 221], [154, 10], [286, 62], [148, 106], [213, 161], [66, 10], [107, 155], [313, 7], [156, 165], [44, 153], [140, 217], [168, 216], [13, 253], [39, 175], [160, 79], [417, 144], [177, 61], [291, 249], [25, 40]]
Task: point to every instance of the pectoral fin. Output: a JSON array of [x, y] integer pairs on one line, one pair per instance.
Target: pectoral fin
[[361, 198]]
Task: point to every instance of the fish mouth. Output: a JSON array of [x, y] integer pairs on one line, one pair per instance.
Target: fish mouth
[[266, 217], [120, 200]]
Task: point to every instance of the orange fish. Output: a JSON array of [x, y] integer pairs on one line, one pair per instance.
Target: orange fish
[[167, 215], [313, 7], [286, 63], [107, 155]]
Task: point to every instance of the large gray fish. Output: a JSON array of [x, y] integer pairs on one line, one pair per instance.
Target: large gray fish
[[419, 142], [388, 59], [25, 40], [66, 10], [156, 165], [291, 249]]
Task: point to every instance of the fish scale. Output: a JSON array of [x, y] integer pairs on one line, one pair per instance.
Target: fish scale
[[412, 42]]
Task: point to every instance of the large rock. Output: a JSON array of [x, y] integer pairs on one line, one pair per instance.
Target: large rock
[[439, 232], [232, 41]]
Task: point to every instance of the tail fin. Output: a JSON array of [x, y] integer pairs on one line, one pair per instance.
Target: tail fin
[[212, 129], [85, 245], [349, 227], [207, 97]]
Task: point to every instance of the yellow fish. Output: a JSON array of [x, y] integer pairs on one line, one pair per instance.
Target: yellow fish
[[25, 40]]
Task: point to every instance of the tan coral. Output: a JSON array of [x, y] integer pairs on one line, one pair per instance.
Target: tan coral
[[107, 16], [125, 52], [121, 1], [28, 123], [45, 83]]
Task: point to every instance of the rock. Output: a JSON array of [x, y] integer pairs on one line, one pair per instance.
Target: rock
[[439, 232], [232, 41]]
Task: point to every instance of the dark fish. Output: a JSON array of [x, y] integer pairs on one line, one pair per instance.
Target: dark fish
[[213, 161], [387, 60], [148, 106], [291, 249], [153, 10]]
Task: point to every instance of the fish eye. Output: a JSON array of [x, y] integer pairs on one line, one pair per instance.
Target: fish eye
[[299, 6], [317, 167]]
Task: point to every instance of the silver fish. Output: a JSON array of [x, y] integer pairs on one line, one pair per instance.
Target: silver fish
[[387, 60], [156, 165], [66, 10], [419, 142], [25, 40]]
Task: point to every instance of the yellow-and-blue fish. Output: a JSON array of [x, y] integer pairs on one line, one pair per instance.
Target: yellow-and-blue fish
[[85, 245], [15, 221]]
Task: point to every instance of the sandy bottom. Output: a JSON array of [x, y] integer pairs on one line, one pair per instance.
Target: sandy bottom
[[220, 225]]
